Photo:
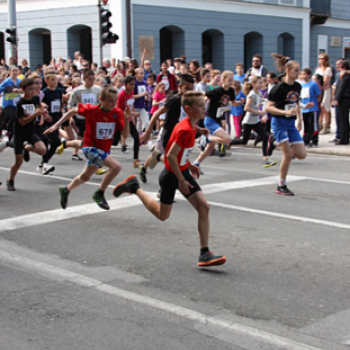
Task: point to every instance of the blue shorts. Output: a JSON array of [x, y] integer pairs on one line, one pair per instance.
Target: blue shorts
[[285, 130], [95, 156], [212, 125]]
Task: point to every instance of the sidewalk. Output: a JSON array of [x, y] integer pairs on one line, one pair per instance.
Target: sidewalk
[[326, 147]]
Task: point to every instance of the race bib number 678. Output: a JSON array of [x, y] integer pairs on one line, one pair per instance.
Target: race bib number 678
[[105, 131]]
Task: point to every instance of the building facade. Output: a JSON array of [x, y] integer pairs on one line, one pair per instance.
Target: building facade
[[221, 31]]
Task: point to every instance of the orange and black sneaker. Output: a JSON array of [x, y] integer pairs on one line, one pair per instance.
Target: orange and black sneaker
[[129, 185], [209, 259]]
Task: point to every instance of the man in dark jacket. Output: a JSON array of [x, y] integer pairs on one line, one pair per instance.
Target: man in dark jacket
[[258, 69], [342, 99]]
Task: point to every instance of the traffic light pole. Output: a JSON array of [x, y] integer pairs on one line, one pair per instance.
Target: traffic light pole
[[12, 22], [100, 32]]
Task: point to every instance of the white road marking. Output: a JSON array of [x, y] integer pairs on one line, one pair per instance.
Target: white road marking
[[87, 282], [40, 218], [280, 215], [69, 213], [50, 176], [228, 186]]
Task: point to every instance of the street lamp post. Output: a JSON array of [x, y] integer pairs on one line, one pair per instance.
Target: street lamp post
[[12, 23]]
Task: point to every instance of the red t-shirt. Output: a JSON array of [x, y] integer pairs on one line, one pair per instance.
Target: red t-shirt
[[100, 126], [184, 135], [124, 99]]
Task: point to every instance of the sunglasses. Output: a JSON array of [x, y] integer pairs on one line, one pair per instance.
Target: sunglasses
[[321, 58]]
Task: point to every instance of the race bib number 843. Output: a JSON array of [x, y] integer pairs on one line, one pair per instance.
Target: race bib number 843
[[105, 131]]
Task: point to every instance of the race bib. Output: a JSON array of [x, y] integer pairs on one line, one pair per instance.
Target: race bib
[[15, 100], [130, 102], [289, 107], [88, 98], [305, 93], [105, 131], [183, 114], [221, 110], [165, 80], [263, 104], [55, 106], [28, 109], [185, 156], [141, 89]]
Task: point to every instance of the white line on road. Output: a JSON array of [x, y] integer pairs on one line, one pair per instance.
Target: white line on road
[[87, 282], [280, 215], [52, 177], [50, 216], [78, 211]]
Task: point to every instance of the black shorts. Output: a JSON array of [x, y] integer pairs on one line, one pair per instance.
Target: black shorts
[[169, 184], [19, 140], [80, 123]]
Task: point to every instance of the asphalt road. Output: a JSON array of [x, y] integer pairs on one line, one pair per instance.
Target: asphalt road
[[85, 278]]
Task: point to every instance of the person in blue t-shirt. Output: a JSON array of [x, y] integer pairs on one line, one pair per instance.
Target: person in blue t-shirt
[[11, 95], [240, 73], [310, 94]]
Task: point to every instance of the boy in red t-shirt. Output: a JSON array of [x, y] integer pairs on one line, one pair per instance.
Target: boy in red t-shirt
[[177, 175], [101, 122]]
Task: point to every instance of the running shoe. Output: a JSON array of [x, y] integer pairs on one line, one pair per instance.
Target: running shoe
[[155, 133], [224, 148], [284, 190], [136, 163], [209, 259], [26, 156], [202, 143], [225, 154], [129, 185], [39, 168], [100, 200], [10, 185], [267, 163], [62, 147], [64, 196], [124, 150], [47, 169], [76, 157], [271, 145], [335, 139], [154, 159], [142, 172], [100, 171], [3, 143]]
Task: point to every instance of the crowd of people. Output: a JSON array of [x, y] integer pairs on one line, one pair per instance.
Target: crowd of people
[[79, 105]]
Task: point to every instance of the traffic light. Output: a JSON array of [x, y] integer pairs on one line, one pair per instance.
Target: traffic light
[[107, 37], [12, 35]]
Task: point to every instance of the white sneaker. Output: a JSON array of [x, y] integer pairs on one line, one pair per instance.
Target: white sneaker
[[3, 143], [39, 168], [47, 169], [150, 145]]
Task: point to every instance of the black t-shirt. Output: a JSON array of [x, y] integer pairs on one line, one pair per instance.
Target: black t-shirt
[[219, 102], [285, 97], [53, 100], [24, 109]]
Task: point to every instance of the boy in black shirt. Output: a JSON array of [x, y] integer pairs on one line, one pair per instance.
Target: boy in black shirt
[[28, 108], [54, 100]]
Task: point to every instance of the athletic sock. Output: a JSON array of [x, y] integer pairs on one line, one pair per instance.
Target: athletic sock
[[204, 250], [283, 182]]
